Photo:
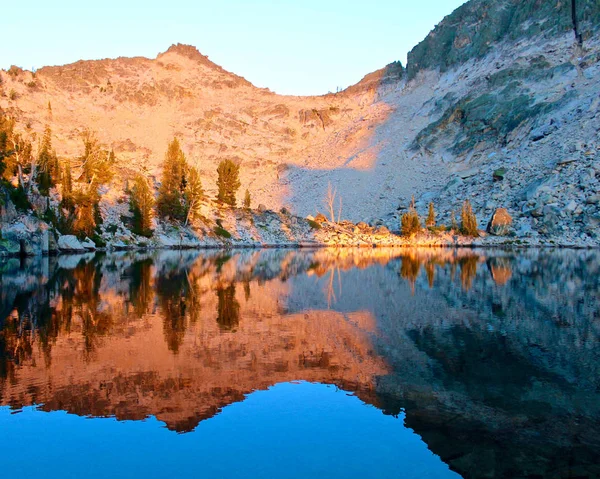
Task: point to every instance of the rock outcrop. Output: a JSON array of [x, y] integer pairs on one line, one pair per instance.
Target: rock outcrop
[[70, 244], [28, 237], [500, 224]]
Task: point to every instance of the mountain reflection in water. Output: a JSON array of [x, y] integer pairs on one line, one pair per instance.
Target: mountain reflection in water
[[491, 357]]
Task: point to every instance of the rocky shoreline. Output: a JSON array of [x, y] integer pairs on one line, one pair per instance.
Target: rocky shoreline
[[28, 236]]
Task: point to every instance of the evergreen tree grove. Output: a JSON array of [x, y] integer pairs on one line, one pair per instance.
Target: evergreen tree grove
[[141, 202], [170, 202], [194, 194], [228, 182], [468, 225]]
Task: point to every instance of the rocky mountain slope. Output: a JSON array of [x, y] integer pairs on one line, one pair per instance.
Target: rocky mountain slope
[[499, 105]]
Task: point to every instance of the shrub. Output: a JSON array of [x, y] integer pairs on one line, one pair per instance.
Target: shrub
[[12, 95], [19, 198], [97, 239], [50, 217], [314, 225], [65, 224], [220, 231], [438, 229]]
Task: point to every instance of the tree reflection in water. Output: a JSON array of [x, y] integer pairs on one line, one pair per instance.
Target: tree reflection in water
[[228, 309]]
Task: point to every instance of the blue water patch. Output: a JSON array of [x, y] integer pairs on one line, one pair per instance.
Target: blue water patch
[[292, 430]]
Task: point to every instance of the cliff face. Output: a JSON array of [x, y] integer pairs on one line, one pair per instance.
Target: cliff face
[[495, 87], [474, 29]]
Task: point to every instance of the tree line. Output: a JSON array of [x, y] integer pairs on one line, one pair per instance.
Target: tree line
[[31, 176]]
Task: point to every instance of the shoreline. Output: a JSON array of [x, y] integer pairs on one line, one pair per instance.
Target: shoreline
[[33, 238], [304, 246]]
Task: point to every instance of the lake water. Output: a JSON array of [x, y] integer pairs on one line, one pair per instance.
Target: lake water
[[341, 363]]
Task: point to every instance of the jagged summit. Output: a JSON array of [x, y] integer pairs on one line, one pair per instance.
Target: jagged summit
[[185, 50]]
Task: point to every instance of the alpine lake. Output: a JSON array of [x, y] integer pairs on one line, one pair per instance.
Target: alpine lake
[[299, 363]]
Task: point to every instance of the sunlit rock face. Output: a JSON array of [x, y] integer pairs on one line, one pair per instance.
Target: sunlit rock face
[[497, 86], [492, 355]]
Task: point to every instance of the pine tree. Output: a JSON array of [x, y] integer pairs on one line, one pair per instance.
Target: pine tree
[[47, 164], [430, 222], [247, 200], [6, 129], [411, 224], [97, 163], [468, 225], [228, 182], [141, 202], [67, 186], [170, 194], [82, 205], [86, 211], [194, 194]]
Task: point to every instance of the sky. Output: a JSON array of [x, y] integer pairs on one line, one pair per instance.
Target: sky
[[300, 47]]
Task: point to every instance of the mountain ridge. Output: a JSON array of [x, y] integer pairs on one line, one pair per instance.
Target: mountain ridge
[[437, 130]]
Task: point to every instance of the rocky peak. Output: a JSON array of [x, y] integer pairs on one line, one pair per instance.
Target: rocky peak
[[188, 51]]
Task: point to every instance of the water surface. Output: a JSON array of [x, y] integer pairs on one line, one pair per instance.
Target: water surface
[[294, 363]]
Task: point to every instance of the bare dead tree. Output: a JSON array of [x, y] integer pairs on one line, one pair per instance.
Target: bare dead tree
[[24, 155], [332, 195]]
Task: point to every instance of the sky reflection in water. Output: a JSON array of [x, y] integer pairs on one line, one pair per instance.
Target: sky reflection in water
[[291, 430]]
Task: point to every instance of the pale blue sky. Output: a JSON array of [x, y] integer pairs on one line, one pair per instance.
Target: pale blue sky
[[291, 47]]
